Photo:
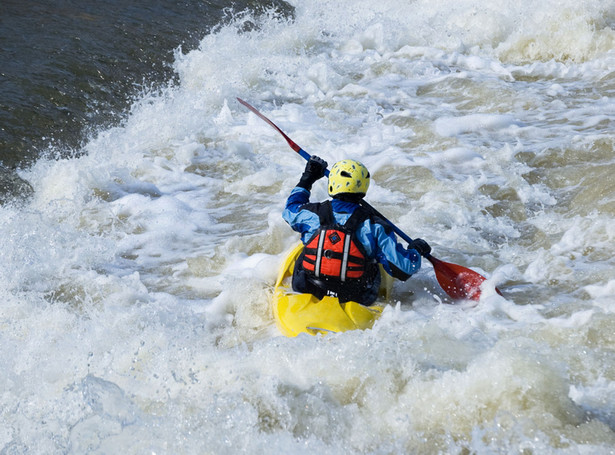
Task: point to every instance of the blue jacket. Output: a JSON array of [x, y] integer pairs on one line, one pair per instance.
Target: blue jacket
[[379, 241]]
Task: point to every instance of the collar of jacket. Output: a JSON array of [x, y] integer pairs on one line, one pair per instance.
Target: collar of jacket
[[343, 206]]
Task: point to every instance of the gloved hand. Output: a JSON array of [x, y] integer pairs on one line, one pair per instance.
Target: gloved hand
[[314, 169], [421, 246]]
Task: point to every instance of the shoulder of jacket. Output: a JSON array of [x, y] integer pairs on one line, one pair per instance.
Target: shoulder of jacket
[[312, 207], [375, 220]]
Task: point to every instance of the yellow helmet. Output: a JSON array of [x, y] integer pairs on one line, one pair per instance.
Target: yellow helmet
[[348, 177]]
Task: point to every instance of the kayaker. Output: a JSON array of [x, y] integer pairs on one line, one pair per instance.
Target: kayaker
[[343, 243]]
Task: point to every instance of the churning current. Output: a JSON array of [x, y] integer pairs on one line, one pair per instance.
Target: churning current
[[136, 278]]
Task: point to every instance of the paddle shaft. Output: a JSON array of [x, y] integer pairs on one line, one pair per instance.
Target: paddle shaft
[[457, 281]]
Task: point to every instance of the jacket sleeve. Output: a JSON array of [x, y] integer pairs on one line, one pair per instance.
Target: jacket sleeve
[[303, 221], [398, 262]]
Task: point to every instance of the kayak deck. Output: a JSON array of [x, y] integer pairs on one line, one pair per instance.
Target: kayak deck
[[297, 313]]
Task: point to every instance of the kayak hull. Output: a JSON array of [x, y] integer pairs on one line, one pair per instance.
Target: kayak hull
[[297, 313]]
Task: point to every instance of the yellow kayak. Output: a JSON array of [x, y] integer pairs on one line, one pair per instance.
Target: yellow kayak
[[296, 313]]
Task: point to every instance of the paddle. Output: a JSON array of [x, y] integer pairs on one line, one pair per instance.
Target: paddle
[[457, 281]]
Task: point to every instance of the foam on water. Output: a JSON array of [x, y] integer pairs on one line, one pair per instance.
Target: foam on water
[[136, 282]]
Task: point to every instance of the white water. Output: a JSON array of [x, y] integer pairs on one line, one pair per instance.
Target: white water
[[135, 284]]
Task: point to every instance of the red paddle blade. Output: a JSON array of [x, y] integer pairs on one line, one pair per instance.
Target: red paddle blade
[[292, 144], [457, 281]]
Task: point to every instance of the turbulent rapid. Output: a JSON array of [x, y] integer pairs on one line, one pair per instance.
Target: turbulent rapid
[[137, 277]]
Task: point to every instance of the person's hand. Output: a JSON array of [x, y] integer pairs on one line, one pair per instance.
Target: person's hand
[[314, 170], [421, 246]]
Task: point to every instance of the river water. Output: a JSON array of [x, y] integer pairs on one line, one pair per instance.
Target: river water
[[142, 230]]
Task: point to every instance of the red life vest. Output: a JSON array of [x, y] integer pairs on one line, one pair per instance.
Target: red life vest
[[334, 252]]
